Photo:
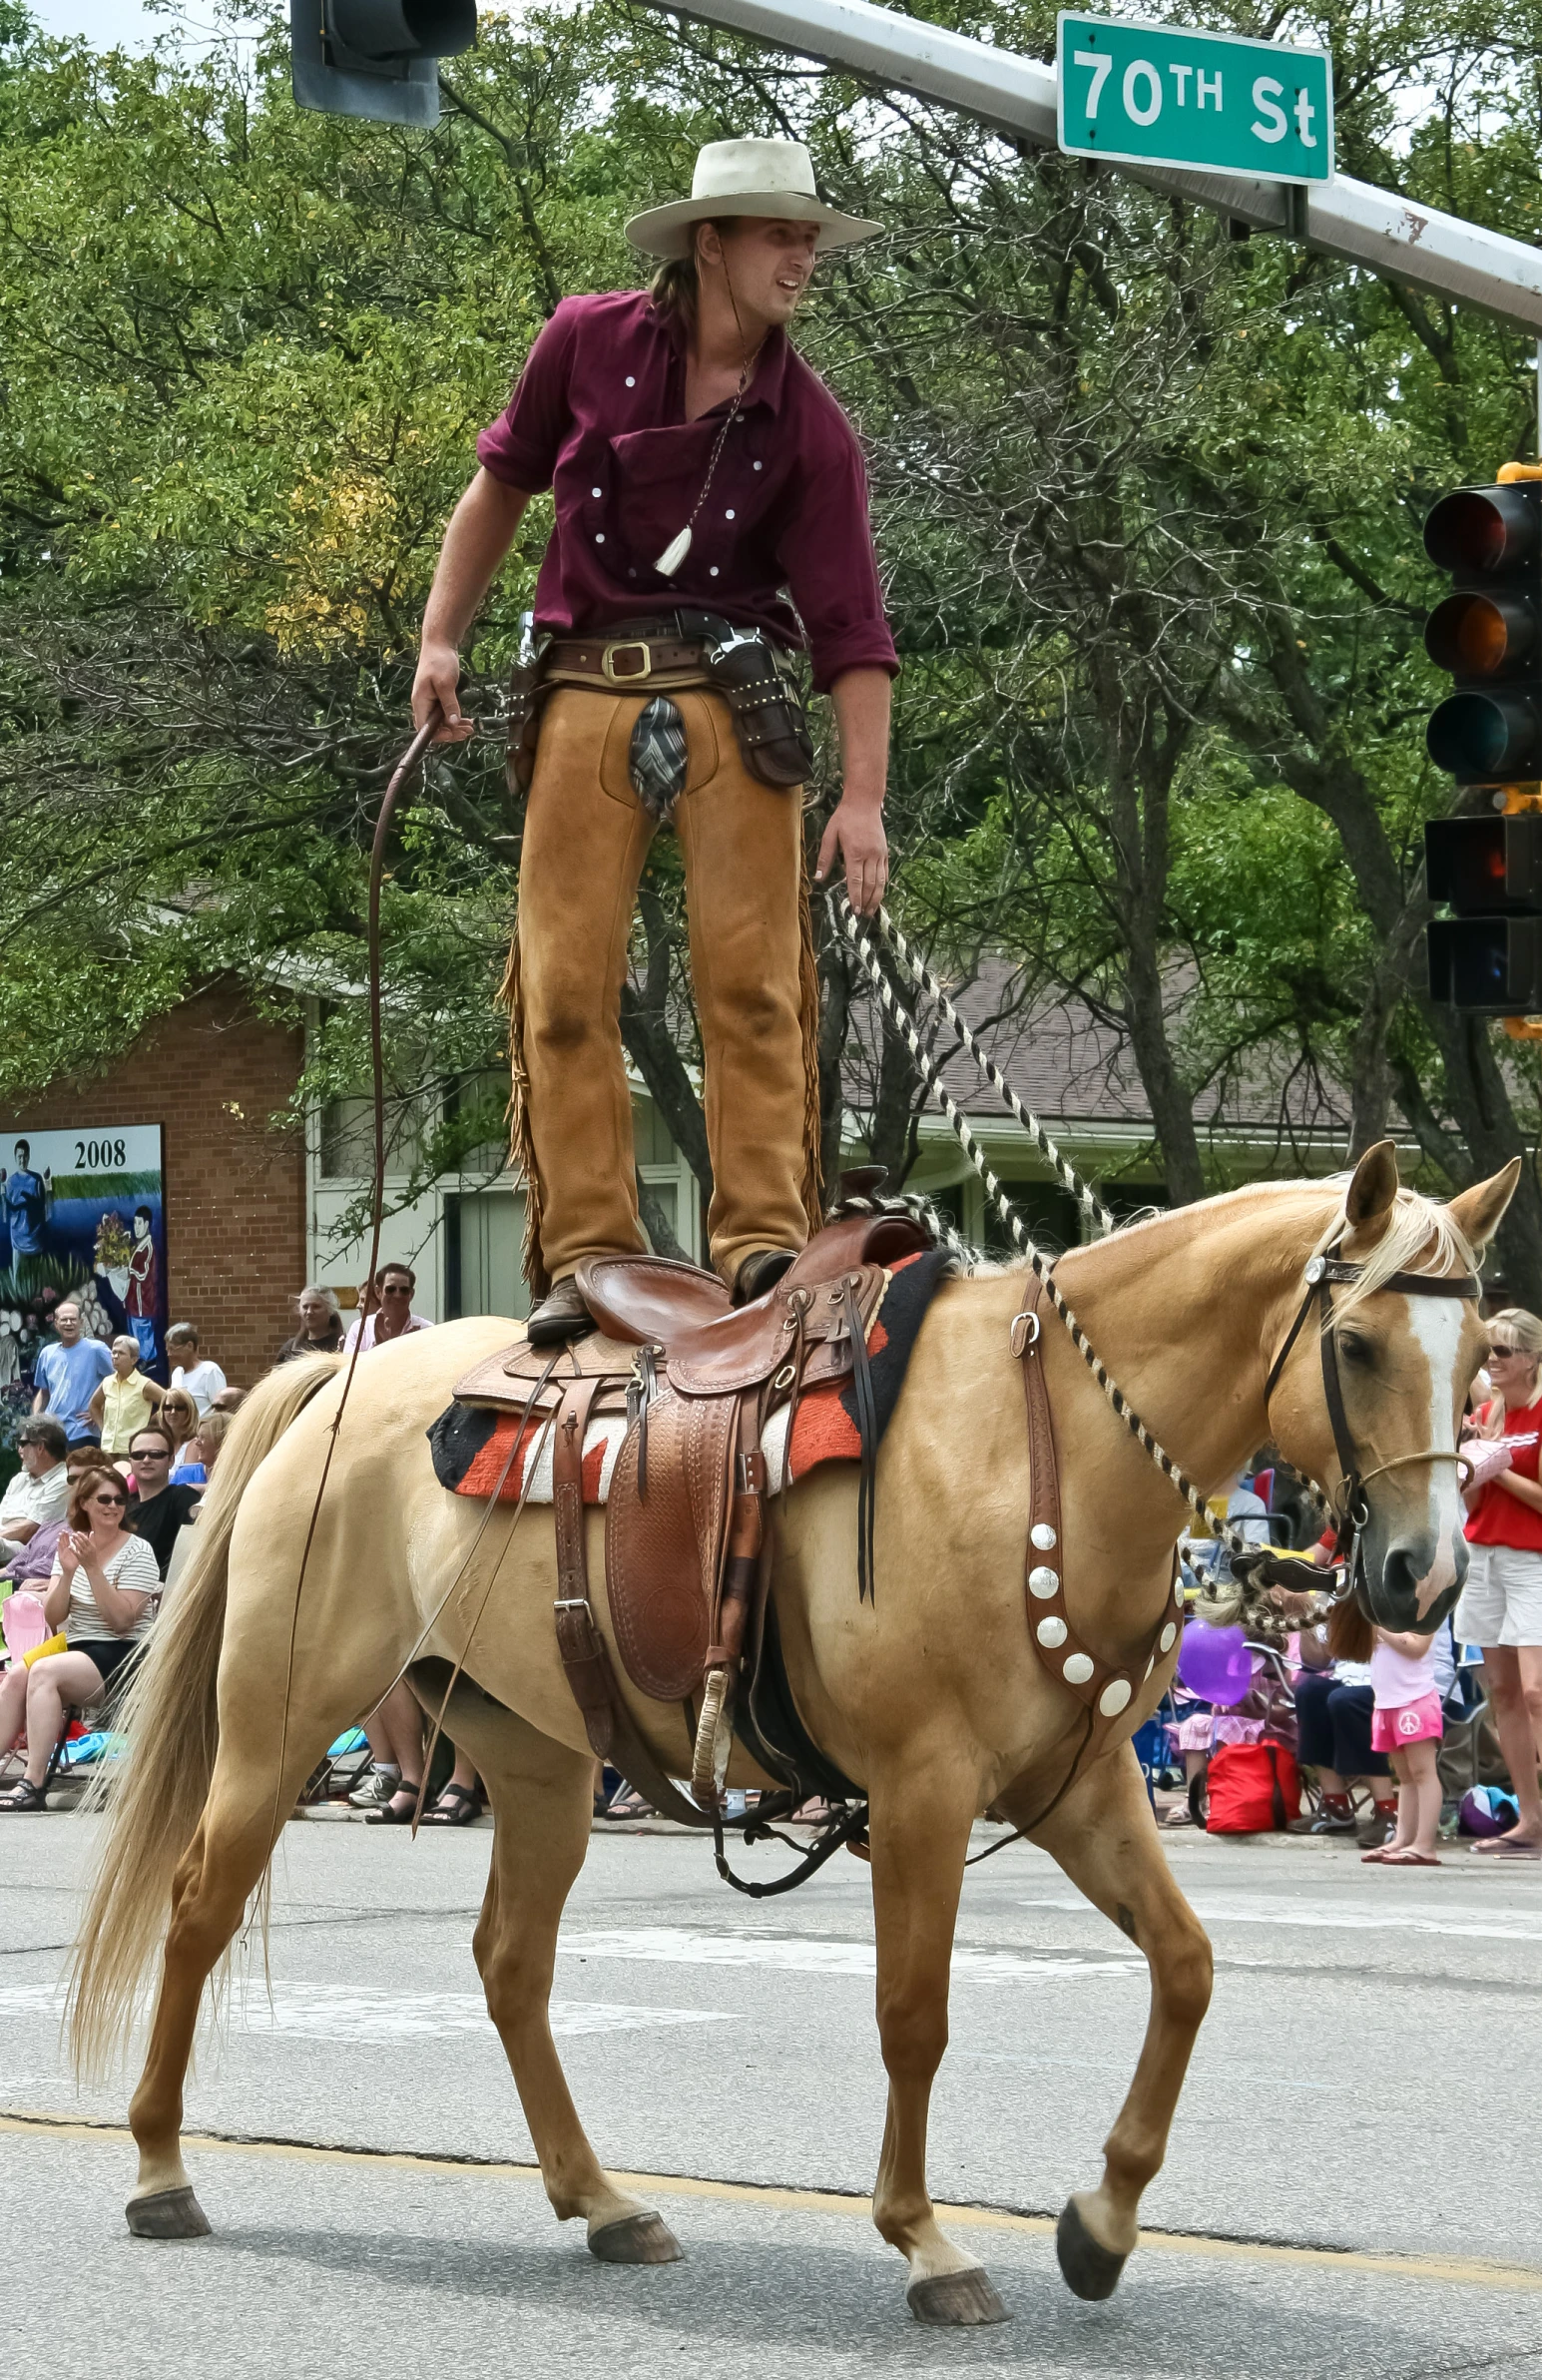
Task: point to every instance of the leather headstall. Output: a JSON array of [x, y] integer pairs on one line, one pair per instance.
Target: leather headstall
[[1321, 1273]]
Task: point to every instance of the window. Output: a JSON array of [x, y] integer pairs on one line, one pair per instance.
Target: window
[[484, 1248]]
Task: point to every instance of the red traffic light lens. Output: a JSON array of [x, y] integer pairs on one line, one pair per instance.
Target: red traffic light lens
[[1481, 529], [1479, 635]]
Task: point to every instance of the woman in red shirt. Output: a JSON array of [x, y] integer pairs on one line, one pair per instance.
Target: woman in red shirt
[[1501, 1604]]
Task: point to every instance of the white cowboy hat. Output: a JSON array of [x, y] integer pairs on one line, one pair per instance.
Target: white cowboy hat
[[747, 178]]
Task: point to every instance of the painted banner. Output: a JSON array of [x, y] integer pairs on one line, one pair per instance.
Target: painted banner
[[82, 1216]]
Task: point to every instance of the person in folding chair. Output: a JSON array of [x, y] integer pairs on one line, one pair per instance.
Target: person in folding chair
[[702, 476], [101, 1595]]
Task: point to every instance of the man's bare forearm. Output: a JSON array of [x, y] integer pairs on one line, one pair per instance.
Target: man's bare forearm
[[862, 699], [480, 533], [855, 831]]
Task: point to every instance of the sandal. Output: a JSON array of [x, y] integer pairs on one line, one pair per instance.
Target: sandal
[[1411, 1858], [457, 1805], [24, 1796], [388, 1814], [1505, 1847]]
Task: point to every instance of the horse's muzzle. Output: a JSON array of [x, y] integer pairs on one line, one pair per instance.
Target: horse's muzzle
[[1414, 1579]]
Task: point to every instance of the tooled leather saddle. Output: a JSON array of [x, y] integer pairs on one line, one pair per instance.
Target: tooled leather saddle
[[685, 1543]]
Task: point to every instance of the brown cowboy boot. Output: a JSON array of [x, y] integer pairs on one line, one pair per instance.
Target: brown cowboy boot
[[561, 1314], [761, 1271]]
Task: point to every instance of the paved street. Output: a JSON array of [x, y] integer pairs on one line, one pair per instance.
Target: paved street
[[1366, 2083]]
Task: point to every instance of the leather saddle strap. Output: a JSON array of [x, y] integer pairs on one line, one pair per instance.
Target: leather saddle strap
[[1104, 1690], [734, 1599], [608, 1723]]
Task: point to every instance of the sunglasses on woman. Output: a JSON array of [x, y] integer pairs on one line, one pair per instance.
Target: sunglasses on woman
[[119, 1501]]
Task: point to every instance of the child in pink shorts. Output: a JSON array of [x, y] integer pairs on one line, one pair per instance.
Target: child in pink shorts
[[1406, 1725]]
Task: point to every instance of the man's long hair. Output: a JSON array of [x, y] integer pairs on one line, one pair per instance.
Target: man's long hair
[[676, 287]]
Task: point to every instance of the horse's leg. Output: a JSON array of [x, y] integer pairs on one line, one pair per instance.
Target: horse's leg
[[918, 1834], [219, 1870], [542, 1797], [1104, 1838]]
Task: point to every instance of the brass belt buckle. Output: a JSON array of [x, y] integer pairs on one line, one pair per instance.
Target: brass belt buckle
[[629, 677]]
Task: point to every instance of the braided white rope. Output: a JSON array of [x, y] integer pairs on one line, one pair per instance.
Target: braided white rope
[[922, 976], [844, 918]]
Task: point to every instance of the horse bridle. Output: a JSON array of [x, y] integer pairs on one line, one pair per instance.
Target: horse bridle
[[1347, 1504]]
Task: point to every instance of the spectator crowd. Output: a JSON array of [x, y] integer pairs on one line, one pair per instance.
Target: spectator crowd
[[113, 1466]]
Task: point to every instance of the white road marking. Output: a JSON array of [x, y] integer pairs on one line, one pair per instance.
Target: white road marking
[[352, 2012], [792, 1954], [1399, 1915]]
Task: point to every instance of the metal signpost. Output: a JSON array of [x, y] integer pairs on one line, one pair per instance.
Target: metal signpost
[[1374, 228], [1137, 94]]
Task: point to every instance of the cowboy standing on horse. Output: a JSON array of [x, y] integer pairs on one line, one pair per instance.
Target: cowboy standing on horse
[[701, 473]]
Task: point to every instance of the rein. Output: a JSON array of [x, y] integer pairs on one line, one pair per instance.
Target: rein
[[404, 768]]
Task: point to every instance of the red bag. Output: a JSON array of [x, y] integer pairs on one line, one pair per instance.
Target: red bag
[[1255, 1789]]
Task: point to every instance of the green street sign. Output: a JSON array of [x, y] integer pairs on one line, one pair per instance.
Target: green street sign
[[1147, 95]]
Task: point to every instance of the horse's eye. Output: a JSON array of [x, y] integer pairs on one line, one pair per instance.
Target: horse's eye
[[1357, 1350]]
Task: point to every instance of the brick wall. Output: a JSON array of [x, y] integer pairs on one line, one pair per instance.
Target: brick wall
[[210, 1073]]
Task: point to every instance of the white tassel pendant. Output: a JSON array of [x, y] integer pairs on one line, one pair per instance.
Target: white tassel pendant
[[674, 554]]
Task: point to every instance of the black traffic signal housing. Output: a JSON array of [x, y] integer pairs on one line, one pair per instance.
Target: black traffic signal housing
[[1486, 865], [376, 58], [1486, 958], [1488, 633]]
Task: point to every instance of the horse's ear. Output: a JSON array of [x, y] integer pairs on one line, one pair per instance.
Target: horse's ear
[[1374, 1187], [1478, 1212]]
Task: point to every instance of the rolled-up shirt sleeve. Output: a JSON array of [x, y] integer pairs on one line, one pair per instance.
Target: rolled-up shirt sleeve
[[832, 570], [521, 447]]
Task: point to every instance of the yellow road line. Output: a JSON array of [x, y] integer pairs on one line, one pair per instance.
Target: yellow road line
[[1469, 2271]]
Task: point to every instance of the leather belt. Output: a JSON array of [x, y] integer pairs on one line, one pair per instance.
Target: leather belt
[[626, 660]]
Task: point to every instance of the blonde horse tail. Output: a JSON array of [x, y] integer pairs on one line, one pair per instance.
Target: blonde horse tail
[[171, 1720]]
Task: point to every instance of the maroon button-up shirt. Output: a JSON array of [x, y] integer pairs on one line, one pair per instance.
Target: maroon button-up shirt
[[599, 417]]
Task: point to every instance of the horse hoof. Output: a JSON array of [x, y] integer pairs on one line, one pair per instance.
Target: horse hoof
[[955, 2300], [636, 2239], [1090, 2269], [167, 2214]]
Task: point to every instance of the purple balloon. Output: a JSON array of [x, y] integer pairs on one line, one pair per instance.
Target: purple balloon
[[1215, 1663]]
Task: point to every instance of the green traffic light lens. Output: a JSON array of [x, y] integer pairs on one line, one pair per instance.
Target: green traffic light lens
[[1480, 737]]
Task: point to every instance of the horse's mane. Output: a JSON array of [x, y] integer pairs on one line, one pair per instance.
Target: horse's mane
[[1420, 1234]]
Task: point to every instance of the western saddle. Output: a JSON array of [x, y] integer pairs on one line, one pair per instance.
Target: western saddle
[[687, 1552]]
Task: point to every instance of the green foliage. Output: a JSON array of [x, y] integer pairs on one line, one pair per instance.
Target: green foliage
[[1148, 502]]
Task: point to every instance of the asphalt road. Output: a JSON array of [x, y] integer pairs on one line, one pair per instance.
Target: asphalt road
[[1354, 2170]]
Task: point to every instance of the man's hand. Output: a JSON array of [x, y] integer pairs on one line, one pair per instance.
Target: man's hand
[[480, 533], [856, 831], [434, 688]]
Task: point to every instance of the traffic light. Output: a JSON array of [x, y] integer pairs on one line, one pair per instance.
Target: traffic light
[[376, 58], [1486, 866], [1488, 633], [1488, 957]]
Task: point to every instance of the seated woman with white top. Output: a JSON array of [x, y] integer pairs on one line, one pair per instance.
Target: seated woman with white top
[[103, 1596]]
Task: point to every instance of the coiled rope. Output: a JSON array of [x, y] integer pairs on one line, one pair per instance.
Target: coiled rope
[[845, 920]]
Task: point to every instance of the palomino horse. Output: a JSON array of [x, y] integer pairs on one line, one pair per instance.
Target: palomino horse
[[937, 1720]]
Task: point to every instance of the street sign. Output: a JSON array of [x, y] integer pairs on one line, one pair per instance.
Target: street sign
[[1144, 94]]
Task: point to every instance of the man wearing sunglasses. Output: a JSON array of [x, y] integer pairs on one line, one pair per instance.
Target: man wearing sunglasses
[[385, 1310], [163, 1509]]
